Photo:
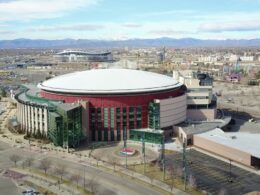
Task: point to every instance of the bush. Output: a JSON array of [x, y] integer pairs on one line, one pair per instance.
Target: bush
[[253, 82]]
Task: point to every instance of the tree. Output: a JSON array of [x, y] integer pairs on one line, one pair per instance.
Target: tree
[[113, 161], [171, 173], [179, 172], [75, 177], [60, 170], [23, 164], [15, 158], [151, 178], [192, 181], [93, 185], [29, 162], [3, 93], [45, 164], [257, 76]]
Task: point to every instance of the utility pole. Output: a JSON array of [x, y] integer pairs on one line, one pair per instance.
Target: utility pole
[[184, 165], [84, 178], [125, 145], [143, 149], [29, 143], [163, 156], [230, 177]]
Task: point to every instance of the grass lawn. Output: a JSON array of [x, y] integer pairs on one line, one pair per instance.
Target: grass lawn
[[154, 172]]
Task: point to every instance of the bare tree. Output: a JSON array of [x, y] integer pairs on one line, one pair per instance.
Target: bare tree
[[23, 164], [93, 185], [171, 173], [192, 181], [113, 161], [98, 159], [29, 162], [60, 170], [75, 177], [45, 164], [151, 179], [15, 158], [179, 172]]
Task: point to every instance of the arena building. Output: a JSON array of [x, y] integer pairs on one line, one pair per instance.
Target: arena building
[[108, 101]]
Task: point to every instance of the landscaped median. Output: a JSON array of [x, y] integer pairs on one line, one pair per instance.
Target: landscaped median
[[47, 183], [135, 172], [173, 180]]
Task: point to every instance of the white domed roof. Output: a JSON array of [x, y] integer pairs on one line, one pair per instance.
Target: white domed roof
[[109, 81]]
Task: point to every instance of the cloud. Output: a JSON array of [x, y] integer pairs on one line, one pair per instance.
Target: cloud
[[7, 32], [167, 32], [166, 13], [132, 25], [230, 26], [18, 10], [73, 27]]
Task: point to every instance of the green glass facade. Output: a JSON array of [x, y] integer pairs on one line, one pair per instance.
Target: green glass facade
[[154, 115], [65, 127], [155, 137]]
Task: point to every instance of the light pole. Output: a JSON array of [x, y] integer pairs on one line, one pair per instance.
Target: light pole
[[230, 177], [184, 164], [163, 156], [143, 149], [125, 145], [84, 179]]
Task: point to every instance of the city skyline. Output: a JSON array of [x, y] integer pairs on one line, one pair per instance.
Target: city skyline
[[120, 20]]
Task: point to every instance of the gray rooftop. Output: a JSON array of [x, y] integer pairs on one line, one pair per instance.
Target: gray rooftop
[[246, 142], [200, 127]]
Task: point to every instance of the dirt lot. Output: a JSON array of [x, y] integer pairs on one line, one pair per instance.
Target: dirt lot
[[239, 97]]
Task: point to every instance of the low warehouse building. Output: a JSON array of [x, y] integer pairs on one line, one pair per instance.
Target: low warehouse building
[[238, 147]]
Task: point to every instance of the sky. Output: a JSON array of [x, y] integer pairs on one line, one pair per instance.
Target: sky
[[129, 19]]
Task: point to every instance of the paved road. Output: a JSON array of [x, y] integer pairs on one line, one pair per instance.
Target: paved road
[[8, 187], [107, 183]]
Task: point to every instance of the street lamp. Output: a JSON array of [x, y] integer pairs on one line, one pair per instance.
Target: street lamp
[[125, 145], [143, 149], [230, 177]]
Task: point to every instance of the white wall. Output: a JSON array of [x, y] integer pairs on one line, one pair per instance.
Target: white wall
[[173, 111]]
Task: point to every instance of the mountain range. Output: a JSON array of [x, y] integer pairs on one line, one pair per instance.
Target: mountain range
[[158, 42]]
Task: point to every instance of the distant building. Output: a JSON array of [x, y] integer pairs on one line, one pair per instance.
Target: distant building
[[208, 59], [233, 77], [247, 58], [81, 56]]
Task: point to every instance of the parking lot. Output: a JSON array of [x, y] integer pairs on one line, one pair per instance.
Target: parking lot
[[213, 175]]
